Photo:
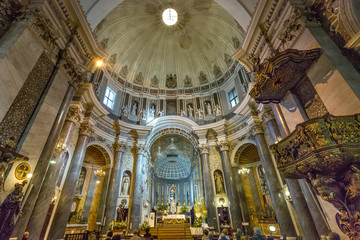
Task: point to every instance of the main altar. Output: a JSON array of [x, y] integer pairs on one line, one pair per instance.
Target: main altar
[[174, 219]]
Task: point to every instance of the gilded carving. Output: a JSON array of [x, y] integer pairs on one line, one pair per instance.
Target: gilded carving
[[120, 147], [74, 114]]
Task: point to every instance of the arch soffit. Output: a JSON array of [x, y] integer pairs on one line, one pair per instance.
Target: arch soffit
[[241, 144], [102, 145]]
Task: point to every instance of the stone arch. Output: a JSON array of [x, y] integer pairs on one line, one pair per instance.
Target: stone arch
[[240, 146], [101, 146]]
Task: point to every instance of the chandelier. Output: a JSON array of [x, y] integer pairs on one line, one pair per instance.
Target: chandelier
[[244, 171], [99, 173]]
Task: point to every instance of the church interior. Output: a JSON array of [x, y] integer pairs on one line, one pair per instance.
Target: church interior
[[180, 118]]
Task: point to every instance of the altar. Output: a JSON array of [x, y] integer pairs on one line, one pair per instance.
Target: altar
[[174, 219]]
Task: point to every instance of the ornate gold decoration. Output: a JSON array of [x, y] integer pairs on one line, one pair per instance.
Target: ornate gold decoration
[[204, 149], [86, 129], [171, 81], [277, 75], [74, 114], [22, 170], [120, 147], [326, 152]]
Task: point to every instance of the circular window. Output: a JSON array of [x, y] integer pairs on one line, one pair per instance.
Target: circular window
[[170, 16]]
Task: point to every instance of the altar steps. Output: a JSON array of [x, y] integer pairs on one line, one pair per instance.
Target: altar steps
[[172, 231]]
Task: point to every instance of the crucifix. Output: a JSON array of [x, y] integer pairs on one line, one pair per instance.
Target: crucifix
[[7, 156]]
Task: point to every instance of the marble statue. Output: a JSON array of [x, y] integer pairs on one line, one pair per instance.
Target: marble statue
[[190, 111], [124, 111], [208, 109], [152, 112], [199, 113], [133, 111], [160, 113], [143, 114], [219, 183], [125, 185], [217, 110], [183, 113], [9, 208]]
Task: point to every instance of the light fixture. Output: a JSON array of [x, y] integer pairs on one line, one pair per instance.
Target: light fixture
[[97, 181], [61, 146], [272, 228], [99, 63], [244, 171], [100, 173], [221, 201], [29, 175], [52, 161], [170, 16], [287, 193]]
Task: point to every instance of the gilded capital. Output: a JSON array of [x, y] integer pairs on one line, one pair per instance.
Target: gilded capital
[[86, 129], [257, 128], [204, 149], [74, 114], [120, 147]]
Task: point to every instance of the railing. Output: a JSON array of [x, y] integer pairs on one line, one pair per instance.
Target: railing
[[76, 236]]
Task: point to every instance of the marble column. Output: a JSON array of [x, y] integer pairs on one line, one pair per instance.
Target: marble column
[[96, 203], [231, 193], [136, 200], [208, 187], [102, 201], [90, 194], [281, 210], [43, 163], [241, 193], [62, 212], [47, 190], [114, 184]]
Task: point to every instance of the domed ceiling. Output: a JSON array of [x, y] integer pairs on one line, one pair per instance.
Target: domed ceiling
[[145, 51]]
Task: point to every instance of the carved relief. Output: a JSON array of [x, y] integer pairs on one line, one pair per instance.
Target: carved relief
[[203, 78], [154, 82], [104, 43], [112, 59], [139, 79], [187, 81], [217, 71], [171, 81], [124, 71], [236, 42], [291, 28]]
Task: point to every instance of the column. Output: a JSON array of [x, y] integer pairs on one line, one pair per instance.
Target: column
[[47, 189], [61, 216], [232, 195], [102, 202], [114, 184], [281, 210], [136, 201], [43, 163], [90, 194], [208, 187], [241, 193]]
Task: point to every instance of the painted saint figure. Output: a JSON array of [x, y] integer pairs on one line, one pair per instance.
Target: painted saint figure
[[125, 185]]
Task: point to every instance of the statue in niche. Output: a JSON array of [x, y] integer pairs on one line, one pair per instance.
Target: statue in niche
[[217, 110], [133, 111], [9, 208], [219, 183], [160, 113], [199, 113], [183, 113], [80, 182], [208, 109], [125, 185], [143, 114], [124, 111], [190, 111], [152, 112]]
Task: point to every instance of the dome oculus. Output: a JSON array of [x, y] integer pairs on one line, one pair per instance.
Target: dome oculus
[[170, 16]]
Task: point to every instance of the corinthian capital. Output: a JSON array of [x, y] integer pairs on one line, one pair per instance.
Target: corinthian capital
[[74, 114], [86, 129], [267, 114], [224, 146], [76, 75], [204, 149], [120, 146], [257, 128], [140, 149]]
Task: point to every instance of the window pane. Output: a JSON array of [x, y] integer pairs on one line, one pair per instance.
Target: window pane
[[109, 97]]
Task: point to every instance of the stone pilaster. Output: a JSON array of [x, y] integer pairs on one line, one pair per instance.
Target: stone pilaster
[[281, 210], [136, 202], [230, 186], [58, 226], [114, 184], [208, 187], [43, 201]]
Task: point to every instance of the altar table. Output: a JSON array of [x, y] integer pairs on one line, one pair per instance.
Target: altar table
[[174, 219]]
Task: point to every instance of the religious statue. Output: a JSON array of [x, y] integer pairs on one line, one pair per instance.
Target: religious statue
[[133, 111], [200, 112], [7, 156], [217, 110], [190, 111], [219, 183], [143, 114], [9, 208], [160, 113], [125, 185], [80, 182], [124, 111], [121, 213], [182, 113], [208, 109], [152, 112]]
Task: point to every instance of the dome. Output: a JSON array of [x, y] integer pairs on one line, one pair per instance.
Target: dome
[[172, 169], [194, 51]]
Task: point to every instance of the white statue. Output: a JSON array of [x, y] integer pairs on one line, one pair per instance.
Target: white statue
[[208, 109], [143, 114], [219, 183], [199, 112], [160, 113], [217, 110], [133, 111], [152, 112], [183, 113], [125, 185], [190, 111]]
